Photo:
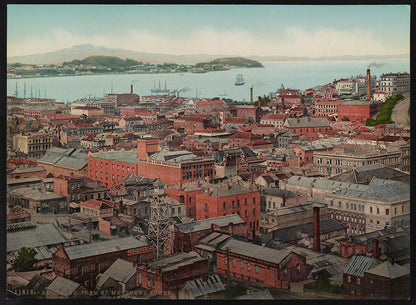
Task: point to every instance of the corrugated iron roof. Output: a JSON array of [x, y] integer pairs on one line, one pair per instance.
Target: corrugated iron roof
[[103, 247], [389, 270], [63, 286], [358, 265], [201, 287], [204, 224], [120, 271]]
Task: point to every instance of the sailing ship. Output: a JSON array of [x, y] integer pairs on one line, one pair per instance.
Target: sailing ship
[[239, 80], [159, 90]]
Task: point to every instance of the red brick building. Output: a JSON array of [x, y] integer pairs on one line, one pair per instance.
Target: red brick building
[[357, 110], [231, 199], [172, 166], [187, 235], [243, 139], [208, 106], [253, 112], [84, 262], [191, 123], [326, 108], [78, 188], [305, 153], [186, 193], [276, 119], [40, 114], [260, 265], [110, 168], [169, 273], [26, 172]]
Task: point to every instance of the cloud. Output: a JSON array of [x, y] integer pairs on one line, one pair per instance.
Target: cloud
[[293, 41]]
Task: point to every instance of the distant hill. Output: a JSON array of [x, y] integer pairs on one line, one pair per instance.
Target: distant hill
[[104, 61], [86, 50], [236, 62]]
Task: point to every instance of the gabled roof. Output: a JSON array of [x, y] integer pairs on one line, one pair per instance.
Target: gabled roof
[[389, 270], [201, 287], [245, 135], [120, 271], [71, 157], [359, 264], [254, 251], [95, 204], [205, 224], [120, 156], [63, 286], [103, 247], [306, 122]]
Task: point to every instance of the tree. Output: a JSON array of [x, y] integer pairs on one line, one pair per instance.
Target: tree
[[25, 259]]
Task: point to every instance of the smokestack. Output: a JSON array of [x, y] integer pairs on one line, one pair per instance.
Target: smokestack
[[259, 102], [368, 85], [316, 230], [251, 95], [131, 89], [376, 253], [283, 105]]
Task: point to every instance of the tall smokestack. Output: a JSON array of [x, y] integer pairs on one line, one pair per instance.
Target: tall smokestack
[[368, 85], [259, 102], [131, 89], [283, 105], [316, 230], [251, 95]]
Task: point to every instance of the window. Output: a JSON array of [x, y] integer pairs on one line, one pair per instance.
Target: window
[[80, 271], [206, 207], [358, 281], [232, 204], [223, 205], [285, 271], [298, 267], [248, 266], [246, 213], [257, 269], [378, 211], [233, 262], [254, 212], [241, 264], [387, 211], [371, 280], [371, 209], [349, 278], [245, 201], [97, 267], [225, 260], [254, 200]]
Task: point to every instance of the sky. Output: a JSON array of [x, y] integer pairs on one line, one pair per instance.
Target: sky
[[244, 30]]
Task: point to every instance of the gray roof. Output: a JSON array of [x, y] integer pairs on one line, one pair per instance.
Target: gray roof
[[214, 239], [228, 190], [359, 264], [305, 230], [120, 271], [42, 235], [31, 169], [33, 193], [355, 103], [380, 190], [63, 286], [295, 209], [174, 261], [71, 157], [315, 147], [258, 295], [304, 123], [30, 180], [389, 270], [323, 184], [201, 287], [172, 156], [120, 156], [103, 247], [205, 224], [254, 251]]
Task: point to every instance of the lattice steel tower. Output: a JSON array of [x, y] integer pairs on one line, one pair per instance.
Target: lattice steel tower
[[159, 218]]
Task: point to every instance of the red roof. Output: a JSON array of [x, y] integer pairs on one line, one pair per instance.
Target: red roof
[[361, 129], [95, 204], [214, 102], [87, 108]]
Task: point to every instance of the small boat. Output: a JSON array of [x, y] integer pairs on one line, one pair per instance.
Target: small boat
[[239, 80], [159, 90]]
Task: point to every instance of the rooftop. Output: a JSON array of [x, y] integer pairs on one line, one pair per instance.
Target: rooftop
[[205, 224], [306, 122], [306, 230], [227, 190], [120, 156], [42, 235], [120, 271], [71, 157], [359, 264], [201, 287], [389, 270], [172, 156], [174, 261], [31, 169], [103, 247], [35, 194], [254, 251], [63, 286]]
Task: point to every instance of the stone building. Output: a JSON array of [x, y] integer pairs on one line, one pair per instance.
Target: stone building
[[34, 144], [395, 83]]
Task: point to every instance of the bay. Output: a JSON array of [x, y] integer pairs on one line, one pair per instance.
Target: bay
[[292, 74]]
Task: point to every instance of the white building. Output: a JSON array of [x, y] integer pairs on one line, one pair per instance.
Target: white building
[[395, 83]]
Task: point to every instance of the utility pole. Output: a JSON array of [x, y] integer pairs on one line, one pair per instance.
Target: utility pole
[[228, 268]]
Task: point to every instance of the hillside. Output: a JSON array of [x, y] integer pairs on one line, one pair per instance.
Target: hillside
[[238, 62], [111, 62]]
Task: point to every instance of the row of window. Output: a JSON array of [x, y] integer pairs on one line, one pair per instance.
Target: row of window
[[113, 167]]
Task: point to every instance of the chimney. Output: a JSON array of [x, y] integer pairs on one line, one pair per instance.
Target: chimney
[[208, 191], [368, 85], [259, 105], [131, 89], [251, 95], [316, 230], [283, 105], [376, 253]]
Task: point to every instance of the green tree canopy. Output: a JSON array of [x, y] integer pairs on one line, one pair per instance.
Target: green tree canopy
[[25, 259]]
